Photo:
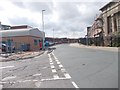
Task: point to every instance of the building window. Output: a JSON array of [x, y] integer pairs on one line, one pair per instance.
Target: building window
[[119, 21], [35, 42], [115, 22], [109, 24]]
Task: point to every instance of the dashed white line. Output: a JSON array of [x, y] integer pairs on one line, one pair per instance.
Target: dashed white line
[[52, 66], [67, 75], [58, 62], [7, 67], [51, 63], [61, 66], [54, 70], [75, 85]]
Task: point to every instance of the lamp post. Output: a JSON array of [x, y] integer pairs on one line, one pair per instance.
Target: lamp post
[[43, 28]]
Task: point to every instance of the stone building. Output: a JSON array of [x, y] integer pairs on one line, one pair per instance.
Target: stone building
[[111, 20]]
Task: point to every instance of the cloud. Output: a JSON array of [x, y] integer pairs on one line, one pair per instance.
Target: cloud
[[67, 18]]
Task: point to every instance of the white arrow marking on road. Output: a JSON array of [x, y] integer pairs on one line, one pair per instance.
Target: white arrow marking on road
[[7, 67], [7, 78]]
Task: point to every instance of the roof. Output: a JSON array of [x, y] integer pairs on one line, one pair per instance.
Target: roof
[[24, 32], [112, 2], [20, 27]]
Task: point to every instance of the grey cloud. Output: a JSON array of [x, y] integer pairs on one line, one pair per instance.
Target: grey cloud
[[21, 21], [70, 18]]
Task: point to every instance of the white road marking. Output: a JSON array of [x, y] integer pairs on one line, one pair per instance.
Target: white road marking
[[58, 62], [55, 76], [39, 74], [7, 67], [34, 80], [67, 75], [51, 63], [50, 59], [49, 55], [63, 70], [61, 66], [54, 56], [26, 80], [7, 78], [52, 66], [75, 85], [54, 70]]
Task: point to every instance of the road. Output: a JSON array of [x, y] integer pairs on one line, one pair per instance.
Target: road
[[64, 67]]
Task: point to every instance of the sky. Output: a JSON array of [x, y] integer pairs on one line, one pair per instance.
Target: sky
[[62, 18]]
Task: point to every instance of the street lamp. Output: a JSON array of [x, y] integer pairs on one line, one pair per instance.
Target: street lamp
[[43, 27]]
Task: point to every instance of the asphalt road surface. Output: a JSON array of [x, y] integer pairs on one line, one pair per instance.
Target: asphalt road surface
[[63, 67]]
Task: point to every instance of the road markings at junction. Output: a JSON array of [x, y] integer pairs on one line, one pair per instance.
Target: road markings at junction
[[7, 67], [75, 85]]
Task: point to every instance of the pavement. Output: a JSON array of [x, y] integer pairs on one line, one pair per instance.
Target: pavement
[[115, 49], [20, 56]]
